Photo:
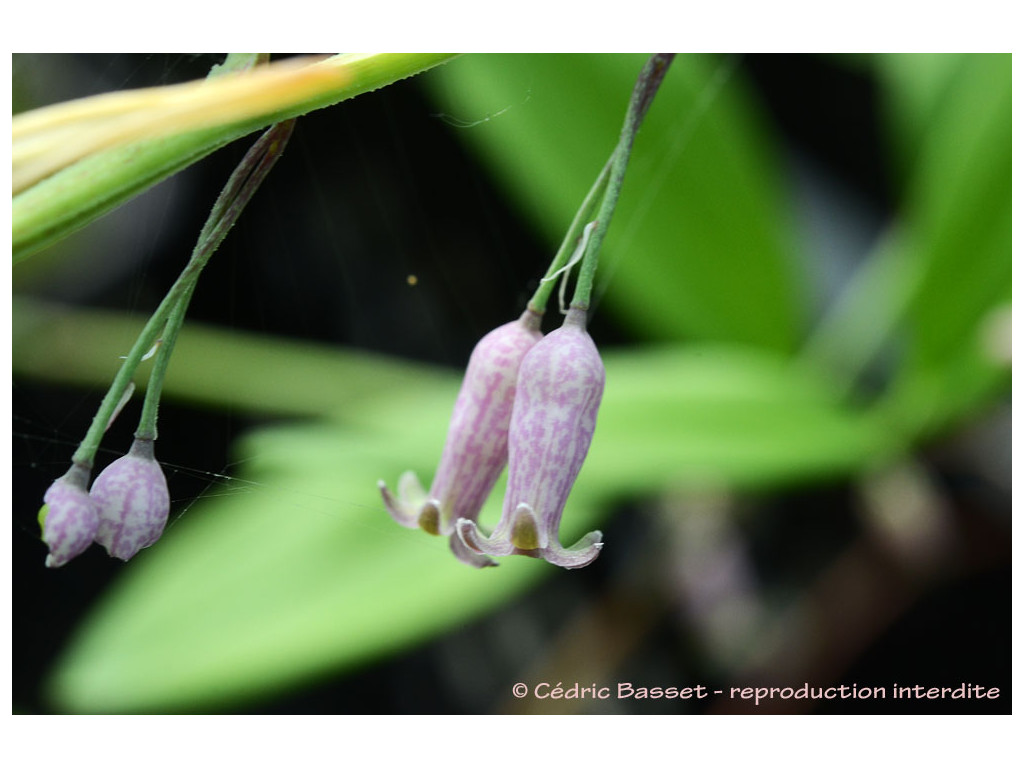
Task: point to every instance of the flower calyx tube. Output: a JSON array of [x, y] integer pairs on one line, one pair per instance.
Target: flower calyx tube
[[133, 501], [476, 449], [69, 518], [558, 391]]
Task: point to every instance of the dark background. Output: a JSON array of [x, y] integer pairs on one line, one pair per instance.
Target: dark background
[[380, 188]]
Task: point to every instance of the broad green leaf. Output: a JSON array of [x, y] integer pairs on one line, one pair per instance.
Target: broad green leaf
[[913, 88], [959, 206], [700, 246], [958, 218], [295, 571], [719, 416], [82, 188]]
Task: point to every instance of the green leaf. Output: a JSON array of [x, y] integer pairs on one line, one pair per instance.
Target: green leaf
[[913, 88], [80, 193], [294, 571], [959, 204], [935, 294], [718, 416], [958, 220], [701, 246], [211, 366]]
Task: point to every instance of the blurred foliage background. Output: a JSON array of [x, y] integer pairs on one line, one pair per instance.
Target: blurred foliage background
[[801, 464]]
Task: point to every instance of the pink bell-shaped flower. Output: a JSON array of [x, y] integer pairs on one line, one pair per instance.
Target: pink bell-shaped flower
[[69, 517], [476, 450], [133, 502], [558, 392]]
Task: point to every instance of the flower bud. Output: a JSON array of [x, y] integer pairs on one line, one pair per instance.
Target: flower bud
[[133, 502], [476, 450], [558, 392], [69, 517]]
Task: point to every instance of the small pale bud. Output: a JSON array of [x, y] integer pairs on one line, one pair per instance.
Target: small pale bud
[[133, 502], [559, 389], [69, 517]]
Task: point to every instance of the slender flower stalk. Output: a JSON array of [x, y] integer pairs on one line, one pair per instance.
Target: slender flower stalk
[[539, 301], [151, 404], [646, 87], [243, 183]]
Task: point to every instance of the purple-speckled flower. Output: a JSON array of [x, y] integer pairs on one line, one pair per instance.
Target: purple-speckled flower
[[69, 517], [559, 389], [133, 502], [476, 450]]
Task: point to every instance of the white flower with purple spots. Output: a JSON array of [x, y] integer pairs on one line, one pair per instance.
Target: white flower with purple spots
[[558, 392], [69, 517], [133, 502], [476, 450]]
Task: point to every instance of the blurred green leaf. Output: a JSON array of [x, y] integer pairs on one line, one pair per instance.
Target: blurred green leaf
[[958, 221], [722, 416], [959, 206], [935, 294], [294, 570], [213, 367], [913, 87], [701, 245]]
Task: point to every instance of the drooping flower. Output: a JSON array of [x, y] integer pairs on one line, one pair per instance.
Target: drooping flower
[[476, 450], [69, 517], [133, 502], [558, 392]]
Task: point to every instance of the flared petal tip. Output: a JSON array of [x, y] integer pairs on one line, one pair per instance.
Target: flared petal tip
[[468, 556], [401, 512], [579, 555], [524, 537], [411, 507], [474, 541]]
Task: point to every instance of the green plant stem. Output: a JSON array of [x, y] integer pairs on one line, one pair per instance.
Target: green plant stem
[[583, 216], [150, 406], [241, 186], [87, 448], [643, 94]]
